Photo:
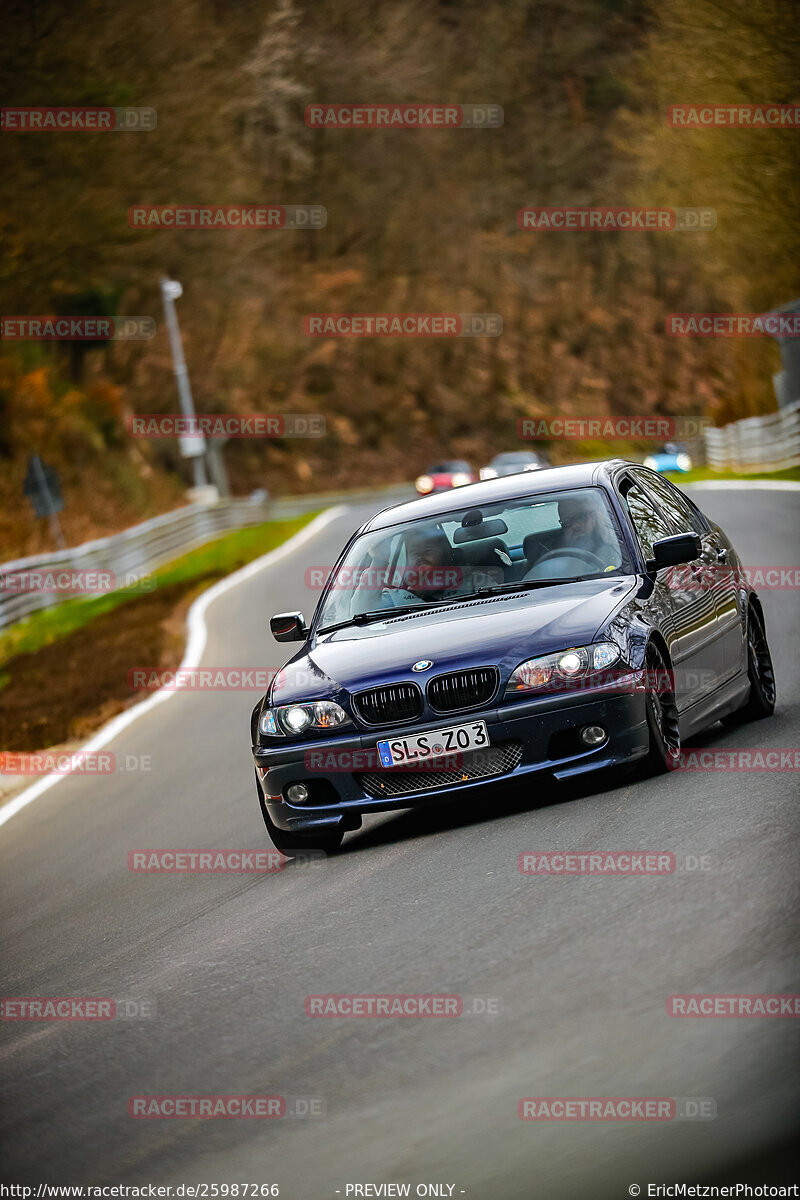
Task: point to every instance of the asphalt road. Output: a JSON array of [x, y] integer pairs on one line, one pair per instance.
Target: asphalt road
[[579, 968]]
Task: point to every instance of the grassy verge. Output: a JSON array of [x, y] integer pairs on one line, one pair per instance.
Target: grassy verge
[[65, 670], [702, 473], [213, 559]]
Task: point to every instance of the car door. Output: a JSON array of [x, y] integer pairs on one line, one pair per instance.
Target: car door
[[718, 573], [682, 594]]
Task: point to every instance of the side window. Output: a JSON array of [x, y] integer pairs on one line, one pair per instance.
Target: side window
[[650, 524], [683, 514]]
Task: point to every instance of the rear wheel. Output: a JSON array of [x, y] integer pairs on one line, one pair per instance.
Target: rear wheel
[[761, 701], [662, 715]]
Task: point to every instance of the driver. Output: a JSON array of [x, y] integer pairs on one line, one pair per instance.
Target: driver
[[429, 573], [583, 528]]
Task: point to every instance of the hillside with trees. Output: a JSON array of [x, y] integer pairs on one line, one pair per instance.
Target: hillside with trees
[[418, 221]]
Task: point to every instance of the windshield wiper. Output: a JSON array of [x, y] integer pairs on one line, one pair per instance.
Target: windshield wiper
[[521, 585], [496, 589], [381, 614]]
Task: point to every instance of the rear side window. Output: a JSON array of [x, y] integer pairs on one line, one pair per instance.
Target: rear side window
[[680, 510]]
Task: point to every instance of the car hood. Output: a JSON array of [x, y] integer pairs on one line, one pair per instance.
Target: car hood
[[493, 631]]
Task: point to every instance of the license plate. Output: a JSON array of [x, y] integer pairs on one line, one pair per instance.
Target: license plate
[[437, 743]]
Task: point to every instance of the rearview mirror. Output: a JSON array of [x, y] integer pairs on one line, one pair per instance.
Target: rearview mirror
[[671, 551], [288, 627]]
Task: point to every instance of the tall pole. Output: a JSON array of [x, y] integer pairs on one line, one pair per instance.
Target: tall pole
[[194, 447]]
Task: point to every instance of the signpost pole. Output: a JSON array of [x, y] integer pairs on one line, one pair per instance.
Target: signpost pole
[[192, 446], [49, 504]]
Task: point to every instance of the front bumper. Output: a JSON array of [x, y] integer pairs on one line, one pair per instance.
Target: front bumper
[[545, 728]]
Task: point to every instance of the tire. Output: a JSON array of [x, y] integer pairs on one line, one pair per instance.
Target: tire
[[662, 716], [296, 843], [761, 701]]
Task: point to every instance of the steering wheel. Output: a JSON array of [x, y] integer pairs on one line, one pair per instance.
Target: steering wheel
[[586, 555]]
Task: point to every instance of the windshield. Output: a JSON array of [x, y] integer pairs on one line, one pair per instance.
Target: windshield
[[524, 541]]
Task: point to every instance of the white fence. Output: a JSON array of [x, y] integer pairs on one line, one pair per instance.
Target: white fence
[[769, 443], [123, 559], [129, 557]]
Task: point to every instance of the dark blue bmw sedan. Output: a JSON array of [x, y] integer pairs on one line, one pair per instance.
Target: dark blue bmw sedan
[[558, 622]]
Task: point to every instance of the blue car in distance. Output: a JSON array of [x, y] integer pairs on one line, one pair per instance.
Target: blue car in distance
[[550, 623], [671, 457]]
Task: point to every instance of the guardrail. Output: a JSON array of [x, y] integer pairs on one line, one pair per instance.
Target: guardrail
[[768, 443], [130, 556]]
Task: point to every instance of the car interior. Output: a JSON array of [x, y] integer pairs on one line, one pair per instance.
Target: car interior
[[469, 549]]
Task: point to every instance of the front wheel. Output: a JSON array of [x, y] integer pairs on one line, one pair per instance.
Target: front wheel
[[761, 701], [290, 843], [662, 715], [295, 843]]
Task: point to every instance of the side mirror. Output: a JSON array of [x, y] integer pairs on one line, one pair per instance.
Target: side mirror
[[671, 551], [288, 627]]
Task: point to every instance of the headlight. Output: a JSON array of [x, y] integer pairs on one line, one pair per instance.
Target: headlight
[[459, 479], [488, 473], [297, 718], [424, 484], [575, 663], [651, 463], [684, 463]]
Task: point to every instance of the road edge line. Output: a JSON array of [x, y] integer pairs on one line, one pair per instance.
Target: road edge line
[[745, 485], [195, 645]]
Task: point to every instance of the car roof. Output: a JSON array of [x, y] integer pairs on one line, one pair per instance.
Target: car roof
[[507, 487], [513, 455]]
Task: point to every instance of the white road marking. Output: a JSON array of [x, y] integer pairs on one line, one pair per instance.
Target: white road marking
[[745, 485], [198, 634]]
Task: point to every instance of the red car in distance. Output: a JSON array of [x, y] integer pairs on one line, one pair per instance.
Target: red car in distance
[[445, 475]]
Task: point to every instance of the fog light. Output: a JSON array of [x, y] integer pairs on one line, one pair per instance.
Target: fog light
[[298, 793], [593, 735]]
